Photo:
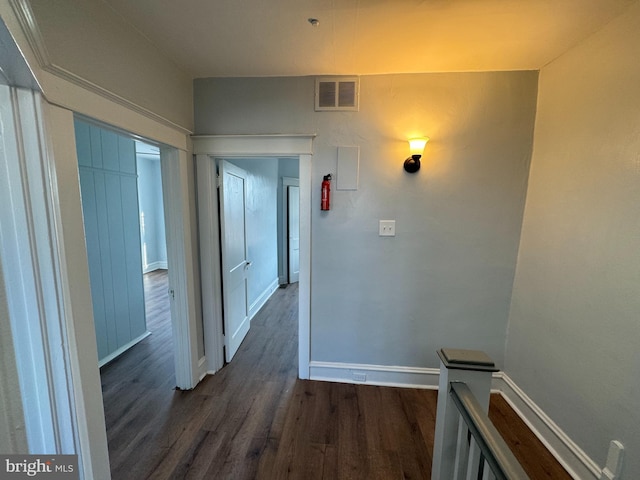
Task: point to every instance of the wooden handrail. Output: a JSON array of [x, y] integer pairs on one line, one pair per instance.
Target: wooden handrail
[[495, 451]]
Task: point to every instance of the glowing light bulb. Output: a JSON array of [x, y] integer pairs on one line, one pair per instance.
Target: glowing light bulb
[[416, 145]]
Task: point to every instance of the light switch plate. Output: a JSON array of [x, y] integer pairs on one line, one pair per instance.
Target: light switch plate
[[387, 228]]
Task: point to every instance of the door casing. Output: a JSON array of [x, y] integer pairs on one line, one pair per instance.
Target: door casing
[[293, 253], [207, 148], [286, 182]]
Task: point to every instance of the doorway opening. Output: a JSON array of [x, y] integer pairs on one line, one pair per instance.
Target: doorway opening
[[153, 238], [207, 149], [259, 236], [153, 247], [124, 221], [290, 226], [121, 194]]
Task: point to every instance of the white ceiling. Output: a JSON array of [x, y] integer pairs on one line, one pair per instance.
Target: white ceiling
[[209, 38]]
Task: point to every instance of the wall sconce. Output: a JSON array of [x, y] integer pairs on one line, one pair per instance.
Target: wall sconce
[[416, 147]]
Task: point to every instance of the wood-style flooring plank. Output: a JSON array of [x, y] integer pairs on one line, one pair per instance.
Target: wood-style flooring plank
[[255, 420], [530, 452]]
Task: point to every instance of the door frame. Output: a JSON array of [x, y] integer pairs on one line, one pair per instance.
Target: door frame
[[182, 286], [71, 268], [207, 148], [286, 182], [182, 296]]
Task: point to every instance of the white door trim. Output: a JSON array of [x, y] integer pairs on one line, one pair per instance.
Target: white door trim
[[210, 273], [207, 148], [293, 202], [75, 293], [182, 291], [286, 181]]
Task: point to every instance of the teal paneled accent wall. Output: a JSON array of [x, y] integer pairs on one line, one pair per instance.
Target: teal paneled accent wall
[[108, 183]]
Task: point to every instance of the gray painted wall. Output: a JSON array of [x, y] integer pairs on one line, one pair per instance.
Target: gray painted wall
[[574, 326], [152, 234], [446, 278]]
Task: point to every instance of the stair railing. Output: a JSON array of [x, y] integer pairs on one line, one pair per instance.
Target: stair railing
[[467, 445]]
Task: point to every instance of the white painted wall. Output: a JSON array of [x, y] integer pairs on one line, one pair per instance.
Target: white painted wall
[[575, 317], [446, 278]]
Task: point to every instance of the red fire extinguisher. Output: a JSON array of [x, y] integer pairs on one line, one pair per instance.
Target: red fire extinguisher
[[326, 193]]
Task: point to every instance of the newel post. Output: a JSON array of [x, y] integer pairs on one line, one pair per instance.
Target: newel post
[[474, 368]]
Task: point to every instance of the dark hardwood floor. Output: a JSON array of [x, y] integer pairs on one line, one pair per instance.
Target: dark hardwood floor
[[255, 420]]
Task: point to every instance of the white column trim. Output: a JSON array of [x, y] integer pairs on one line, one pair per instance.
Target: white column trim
[[75, 293], [210, 276], [304, 279], [182, 296]]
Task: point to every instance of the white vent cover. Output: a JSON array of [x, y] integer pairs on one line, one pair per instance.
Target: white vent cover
[[337, 93]]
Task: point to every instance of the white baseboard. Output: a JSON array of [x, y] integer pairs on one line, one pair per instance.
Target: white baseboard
[[122, 349], [202, 368], [577, 463], [388, 376], [262, 299], [155, 266]]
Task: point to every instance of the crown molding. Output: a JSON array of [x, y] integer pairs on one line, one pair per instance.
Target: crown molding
[[29, 26]]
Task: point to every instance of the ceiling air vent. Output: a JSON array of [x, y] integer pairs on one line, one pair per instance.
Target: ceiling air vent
[[337, 93]]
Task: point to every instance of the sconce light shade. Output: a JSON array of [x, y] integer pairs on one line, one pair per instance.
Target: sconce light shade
[[416, 147]]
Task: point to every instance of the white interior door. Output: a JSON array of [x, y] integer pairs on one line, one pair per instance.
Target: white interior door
[[293, 221], [233, 190]]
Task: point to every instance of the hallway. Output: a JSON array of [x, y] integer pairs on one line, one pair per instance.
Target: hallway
[[254, 419], [138, 385], [156, 431]]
